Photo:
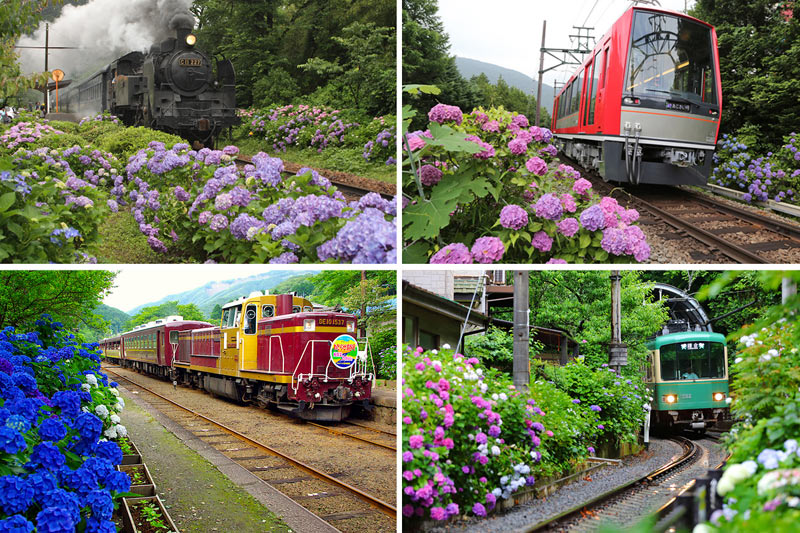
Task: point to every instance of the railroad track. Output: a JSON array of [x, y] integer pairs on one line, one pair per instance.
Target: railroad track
[[337, 431], [720, 231], [631, 500], [311, 485], [351, 186]]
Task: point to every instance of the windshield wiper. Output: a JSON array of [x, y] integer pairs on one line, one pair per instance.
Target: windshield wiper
[[672, 96]]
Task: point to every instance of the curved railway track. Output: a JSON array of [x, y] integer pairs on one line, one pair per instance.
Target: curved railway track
[[630, 500], [360, 504], [715, 231]]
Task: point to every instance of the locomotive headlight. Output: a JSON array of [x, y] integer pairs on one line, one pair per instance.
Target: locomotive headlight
[[309, 324], [351, 326], [191, 40], [670, 398], [718, 396]]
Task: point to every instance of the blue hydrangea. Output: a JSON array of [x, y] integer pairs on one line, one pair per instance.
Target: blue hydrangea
[[16, 524], [42, 483], [20, 423], [101, 504], [16, 494], [52, 429], [351, 245], [55, 520], [89, 426], [117, 481], [93, 525], [11, 440], [48, 456], [110, 451], [69, 402], [66, 500]]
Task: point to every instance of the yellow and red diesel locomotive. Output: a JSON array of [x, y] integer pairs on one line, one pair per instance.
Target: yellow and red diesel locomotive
[[274, 350]]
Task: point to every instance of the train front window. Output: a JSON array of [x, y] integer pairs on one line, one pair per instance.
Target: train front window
[[671, 58], [692, 360]]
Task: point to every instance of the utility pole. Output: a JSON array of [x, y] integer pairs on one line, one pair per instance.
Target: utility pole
[[788, 289], [617, 350], [522, 330], [363, 305], [47, 49], [570, 57]]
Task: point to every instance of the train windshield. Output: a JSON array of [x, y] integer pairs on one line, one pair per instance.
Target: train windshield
[[671, 58], [692, 360]]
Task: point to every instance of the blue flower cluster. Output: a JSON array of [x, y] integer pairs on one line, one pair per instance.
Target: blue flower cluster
[[775, 176], [59, 471], [383, 144]]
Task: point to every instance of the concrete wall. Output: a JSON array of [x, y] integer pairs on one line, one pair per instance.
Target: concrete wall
[[436, 281]]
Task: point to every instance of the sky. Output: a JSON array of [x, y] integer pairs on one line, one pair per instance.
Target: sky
[[137, 285], [508, 33]]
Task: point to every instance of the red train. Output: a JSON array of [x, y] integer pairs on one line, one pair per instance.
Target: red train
[[274, 350], [645, 106]]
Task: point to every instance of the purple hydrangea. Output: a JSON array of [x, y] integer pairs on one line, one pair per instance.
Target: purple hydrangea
[[488, 250], [593, 218], [286, 258], [536, 165], [568, 227], [513, 217], [556, 261], [218, 222], [581, 186], [442, 113], [452, 254], [518, 146], [429, 175], [542, 241], [614, 241], [549, 206]]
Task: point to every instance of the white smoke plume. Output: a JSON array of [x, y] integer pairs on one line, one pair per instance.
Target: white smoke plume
[[104, 30]]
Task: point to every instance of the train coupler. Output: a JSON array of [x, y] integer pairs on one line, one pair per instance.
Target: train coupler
[[365, 405]]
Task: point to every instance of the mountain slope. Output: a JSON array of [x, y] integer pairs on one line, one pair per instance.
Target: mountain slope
[[223, 291], [472, 67]]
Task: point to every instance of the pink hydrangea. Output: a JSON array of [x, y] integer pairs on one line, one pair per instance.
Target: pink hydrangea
[[520, 121], [549, 206], [542, 241], [550, 150], [568, 203], [452, 254], [488, 149], [555, 261], [569, 227], [581, 186], [492, 126], [415, 442], [415, 140], [629, 216], [567, 172], [480, 116], [488, 250], [518, 146], [537, 165], [442, 113], [429, 175], [524, 135], [513, 217]]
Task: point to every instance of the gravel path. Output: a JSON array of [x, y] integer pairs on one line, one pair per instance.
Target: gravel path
[[582, 490]]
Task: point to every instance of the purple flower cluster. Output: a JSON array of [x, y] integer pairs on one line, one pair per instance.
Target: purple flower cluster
[[429, 175], [488, 250], [442, 113], [513, 217], [549, 206]]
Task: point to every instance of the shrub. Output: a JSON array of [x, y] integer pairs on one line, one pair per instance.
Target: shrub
[[93, 130], [127, 142], [58, 140], [66, 127], [470, 438], [485, 189], [496, 349], [22, 135], [384, 347]]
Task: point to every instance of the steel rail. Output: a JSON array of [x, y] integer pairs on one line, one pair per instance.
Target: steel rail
[[376, 430], [691, 450], [384, 507], [356, 437]]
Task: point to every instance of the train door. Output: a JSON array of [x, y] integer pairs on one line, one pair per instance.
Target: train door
[[229, 338], [601, 73], [248, 344], [585, 94]]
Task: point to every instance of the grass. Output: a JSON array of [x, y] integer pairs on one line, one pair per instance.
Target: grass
[[341, 159], [121, 242]]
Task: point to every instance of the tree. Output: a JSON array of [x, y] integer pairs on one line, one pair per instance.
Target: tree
[[331, 285], [149, 314], [69, 296], [373, 296], [579, 302], [17, 17], [216, 313], [759, 54]]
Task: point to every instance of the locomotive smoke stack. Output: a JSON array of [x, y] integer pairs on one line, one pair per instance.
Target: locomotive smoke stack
[[183, 24]]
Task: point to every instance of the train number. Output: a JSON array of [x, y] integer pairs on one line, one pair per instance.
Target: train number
[[190, 62]]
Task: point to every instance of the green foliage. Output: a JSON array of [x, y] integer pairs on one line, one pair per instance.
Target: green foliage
[[69, 296], [495, 349], [511, 98], [330, 285], [759, 47], [216, 313], [376, 297], [58, 140], [579, 302], [126, 142], [66, 127], [17, 17], [149, 314], [92, 130], [621, 400], [383, 344]]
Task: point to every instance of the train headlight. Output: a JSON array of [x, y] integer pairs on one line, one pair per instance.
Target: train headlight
[[670, 398], [191, 40], [351, 326], [309, 324], [719, 396]]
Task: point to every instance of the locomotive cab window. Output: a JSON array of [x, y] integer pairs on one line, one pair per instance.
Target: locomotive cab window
[[250, 319], [268, 311], [296, 309], [307, 308], [692, 360], [671, 58]]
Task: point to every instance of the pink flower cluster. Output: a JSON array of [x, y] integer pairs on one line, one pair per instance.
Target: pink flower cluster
[[442, 113], [486, 250]]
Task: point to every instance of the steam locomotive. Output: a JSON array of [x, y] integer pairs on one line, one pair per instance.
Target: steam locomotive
[[646, 104], [171, 88], [273, 350]]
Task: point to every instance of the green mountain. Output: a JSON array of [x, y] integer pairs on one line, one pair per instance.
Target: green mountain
[[222, 292], [472, 67], [116, 317]]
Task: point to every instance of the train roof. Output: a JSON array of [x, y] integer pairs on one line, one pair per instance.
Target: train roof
[[172, 320], [685, 336]]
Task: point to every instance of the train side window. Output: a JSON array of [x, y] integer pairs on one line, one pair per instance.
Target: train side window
[[593, 92], [576, 95], [307, 309], [605, 66], [268, 311], [237, 318], [568, 100], [587, 92], [295, 309], [173, 337], [250, 319]]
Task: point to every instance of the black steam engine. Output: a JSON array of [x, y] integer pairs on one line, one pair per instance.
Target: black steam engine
[[172, 88]]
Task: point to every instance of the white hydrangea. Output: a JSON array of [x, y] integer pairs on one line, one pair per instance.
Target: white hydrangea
[[115, 419], [503, 396], [120, 404], [111, 432], [738, 360], [495, 397], [101, 411], [91, 380], [122, 431], [445, 346], [495, 450], [114, 391], [484, 387], [86, 387]]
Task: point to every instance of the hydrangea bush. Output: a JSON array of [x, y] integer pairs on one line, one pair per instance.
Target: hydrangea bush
[[470, 438], [485, 187], [200, 205], [58, 411], [775, 176]]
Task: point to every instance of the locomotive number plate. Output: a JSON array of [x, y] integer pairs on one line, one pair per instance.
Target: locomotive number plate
[[674, 106], [190, 62]]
